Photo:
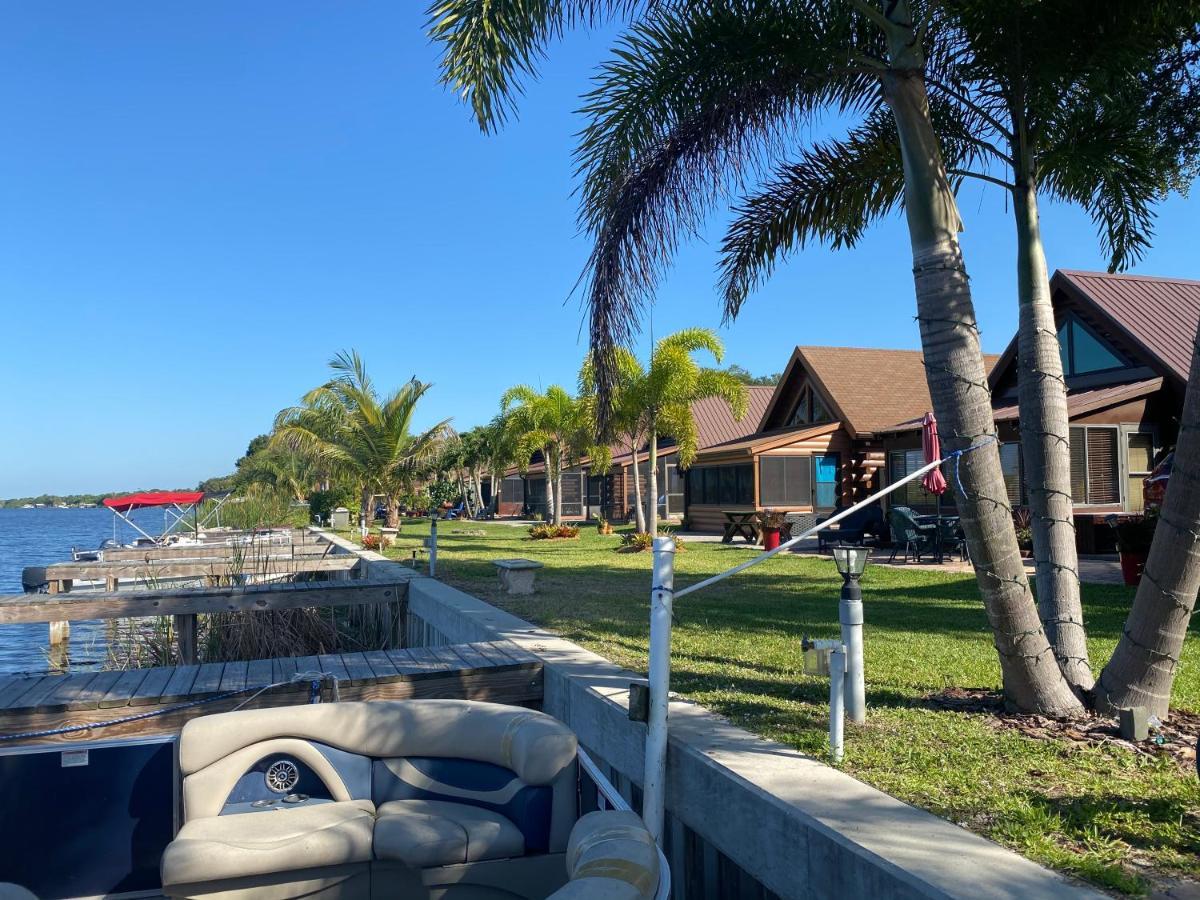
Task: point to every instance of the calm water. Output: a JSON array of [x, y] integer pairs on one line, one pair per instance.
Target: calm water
[[36, 537]]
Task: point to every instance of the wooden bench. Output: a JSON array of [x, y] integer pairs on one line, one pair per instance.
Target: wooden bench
[[517, 575]]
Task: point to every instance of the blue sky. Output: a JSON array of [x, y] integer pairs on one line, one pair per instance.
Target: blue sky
[[201, 203]]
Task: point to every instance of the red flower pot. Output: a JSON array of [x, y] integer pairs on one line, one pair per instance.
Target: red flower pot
[[770, 538], [1132, 564]]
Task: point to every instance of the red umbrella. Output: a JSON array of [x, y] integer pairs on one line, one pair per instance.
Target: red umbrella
[[933, 480]]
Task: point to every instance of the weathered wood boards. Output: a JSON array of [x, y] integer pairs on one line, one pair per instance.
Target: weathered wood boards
[[497, 671], [200, 568], [16, 608]]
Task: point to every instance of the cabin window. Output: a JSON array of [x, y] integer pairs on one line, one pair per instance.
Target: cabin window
[[1095, 470], [721, 485], [512, 490], [905, 462], [1012, 465], [535, 495], [810, 408], [799, 481], [1083, 351], [1139, 460], [572, 494]]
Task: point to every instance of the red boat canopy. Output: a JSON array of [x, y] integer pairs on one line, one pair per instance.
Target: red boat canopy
[[153, 498]]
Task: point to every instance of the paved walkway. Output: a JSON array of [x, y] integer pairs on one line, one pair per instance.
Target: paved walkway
[[1092, 569]]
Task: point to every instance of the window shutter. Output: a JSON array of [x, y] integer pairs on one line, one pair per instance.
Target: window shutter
[[1079, 465], [1010, 464], [1102, 483]]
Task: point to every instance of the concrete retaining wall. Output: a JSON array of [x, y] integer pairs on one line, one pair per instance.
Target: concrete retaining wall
[[747, 817]]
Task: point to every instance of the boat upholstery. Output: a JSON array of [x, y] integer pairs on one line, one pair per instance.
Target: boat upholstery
[[415, 783], [10, 891], [611, 856]]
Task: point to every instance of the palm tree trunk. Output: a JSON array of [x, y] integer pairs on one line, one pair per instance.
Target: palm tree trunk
[[558, 469], [393, 511], [1046, 451], [366, 512], [1143, 666], [638, 511], [652, 483], [549, 485], [958, 386]]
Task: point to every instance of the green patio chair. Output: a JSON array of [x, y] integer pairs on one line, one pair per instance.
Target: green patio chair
[[908, 533]]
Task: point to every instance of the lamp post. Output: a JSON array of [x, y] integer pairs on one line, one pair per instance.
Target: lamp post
[[851, 562]]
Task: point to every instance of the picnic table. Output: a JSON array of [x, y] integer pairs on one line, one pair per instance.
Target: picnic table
[[740, 521]]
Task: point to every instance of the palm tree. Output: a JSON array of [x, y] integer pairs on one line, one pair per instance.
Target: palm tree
[[345, 425], [285, 471], [626, 419], [1099, 120], [555, 423], [700, 95]]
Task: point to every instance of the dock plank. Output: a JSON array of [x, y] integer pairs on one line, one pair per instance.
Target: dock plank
[[309, 665], [331, 664], [180, 685], [122, 691], [17, 688], [384, 668], [208, 679], [357, 668], [472, 658], [283, 668], [234, 676], [46, 686], [259, 673], [415, 661], [152, 688], [90, 695]]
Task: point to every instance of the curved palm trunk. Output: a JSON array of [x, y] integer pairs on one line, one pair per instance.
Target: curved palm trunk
[[1143, 666], [652, 484], [393, 511], [638, 510], [958, 386], [558, 469], [366, 513], [1045, 447]]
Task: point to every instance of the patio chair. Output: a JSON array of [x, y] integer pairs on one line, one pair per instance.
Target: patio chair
[[867, 522], [456, 512], [953, 540], [914, 537]]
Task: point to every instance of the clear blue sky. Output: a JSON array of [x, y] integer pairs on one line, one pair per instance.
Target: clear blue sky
[[200, 203]]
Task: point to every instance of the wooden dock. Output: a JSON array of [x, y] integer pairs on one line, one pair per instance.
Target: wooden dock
[[500, 672]]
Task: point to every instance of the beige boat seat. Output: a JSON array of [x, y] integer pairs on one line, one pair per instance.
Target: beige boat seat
[[308, 800], [10, 891], [611, 856]]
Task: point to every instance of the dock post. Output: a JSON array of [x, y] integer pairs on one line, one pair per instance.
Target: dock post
[[662, 592], [60, 631], [185, 637]]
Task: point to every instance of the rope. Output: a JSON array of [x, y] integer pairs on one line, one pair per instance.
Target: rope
[[167, 710]]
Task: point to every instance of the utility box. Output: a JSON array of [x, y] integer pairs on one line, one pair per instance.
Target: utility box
[[816, 661], [339, 518]]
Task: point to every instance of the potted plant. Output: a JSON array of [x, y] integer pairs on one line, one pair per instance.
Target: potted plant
[[603, 526], [1134, 536], [1023, 522], [770, 522]]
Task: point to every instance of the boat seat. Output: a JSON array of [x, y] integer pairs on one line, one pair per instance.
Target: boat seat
[[610, 856], [269, 842], [423, 833]]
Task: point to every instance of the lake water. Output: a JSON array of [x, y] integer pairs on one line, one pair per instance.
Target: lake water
[[37, 537]]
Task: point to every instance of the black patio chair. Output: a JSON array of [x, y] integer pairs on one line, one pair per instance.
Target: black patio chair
[[953, 539], [856, 528], [908, 533]]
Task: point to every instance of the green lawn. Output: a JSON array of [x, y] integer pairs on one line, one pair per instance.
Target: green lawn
[[1100, 812]]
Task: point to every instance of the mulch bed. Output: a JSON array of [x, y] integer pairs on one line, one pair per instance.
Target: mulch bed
[[1175, 738]]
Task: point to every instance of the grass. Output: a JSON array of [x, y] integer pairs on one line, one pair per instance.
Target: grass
[[1103, 813]]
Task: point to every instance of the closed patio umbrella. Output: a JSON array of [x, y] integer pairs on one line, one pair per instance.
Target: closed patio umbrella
[[933, 480]]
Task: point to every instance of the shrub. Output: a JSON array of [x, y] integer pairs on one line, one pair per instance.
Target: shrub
[[376, 542], [636, 541], [553, 532]]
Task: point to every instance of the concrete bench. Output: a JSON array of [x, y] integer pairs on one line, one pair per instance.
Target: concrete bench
[[516, 575]]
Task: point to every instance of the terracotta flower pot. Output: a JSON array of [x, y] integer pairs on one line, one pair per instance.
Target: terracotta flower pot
[[1132, 564], [770, 538]]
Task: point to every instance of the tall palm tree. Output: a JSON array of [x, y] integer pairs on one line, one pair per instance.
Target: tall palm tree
[[627, 414], [1102, 120], [697, 99], [287, 472], [554, 423], [358, 435]]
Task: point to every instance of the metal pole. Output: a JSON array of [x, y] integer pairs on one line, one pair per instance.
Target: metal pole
[[433, 547], [837, 684], [850, 613], [654, 785]]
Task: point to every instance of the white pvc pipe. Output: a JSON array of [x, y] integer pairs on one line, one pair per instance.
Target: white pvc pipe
[[837, 685], [654, 785], [832, 520], [433, 547], [850, 612]]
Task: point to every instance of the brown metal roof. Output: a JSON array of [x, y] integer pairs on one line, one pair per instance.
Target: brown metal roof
[[1081, 402], [872, 390], [776, 437], [1160, 315]]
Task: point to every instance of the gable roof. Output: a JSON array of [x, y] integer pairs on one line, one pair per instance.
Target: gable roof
[[1158, 317], [869, 390]]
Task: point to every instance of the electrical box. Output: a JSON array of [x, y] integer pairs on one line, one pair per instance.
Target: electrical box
[[816, 661]]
